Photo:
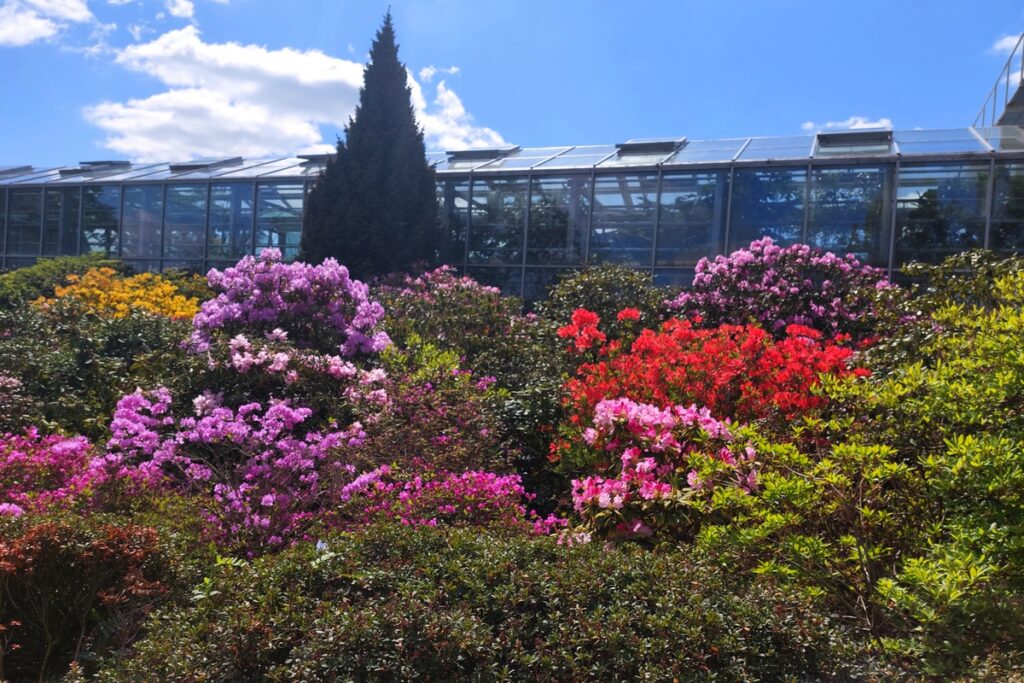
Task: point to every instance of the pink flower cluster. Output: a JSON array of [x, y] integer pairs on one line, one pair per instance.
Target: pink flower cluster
[[319, 305], [784, 286], [427, 286], [262, 474], [471, 498], [38, 472], [655, 461]]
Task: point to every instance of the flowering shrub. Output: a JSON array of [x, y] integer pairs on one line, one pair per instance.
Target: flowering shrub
[[261, 474], [659, 470], [777, 287], [472, 498], [319, 306], [451, 312], [37, 471], [104, 292], [436, 415], [736, 371]]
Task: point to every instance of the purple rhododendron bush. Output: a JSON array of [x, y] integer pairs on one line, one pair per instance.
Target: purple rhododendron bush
[[320, 479]]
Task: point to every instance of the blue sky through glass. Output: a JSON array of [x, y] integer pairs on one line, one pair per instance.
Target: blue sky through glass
[[176, 79]]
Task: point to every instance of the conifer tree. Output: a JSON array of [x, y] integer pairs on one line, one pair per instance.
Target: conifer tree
[[374, 206]]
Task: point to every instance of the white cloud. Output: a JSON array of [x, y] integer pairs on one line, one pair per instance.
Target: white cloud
[[852, 123], [229, 98], [70, 10], [447, 124], [25, 21], [21, 26], [183, 9], [427, 73], [1005, 45]]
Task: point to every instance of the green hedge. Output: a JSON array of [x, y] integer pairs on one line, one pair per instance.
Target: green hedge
[[396, 604]]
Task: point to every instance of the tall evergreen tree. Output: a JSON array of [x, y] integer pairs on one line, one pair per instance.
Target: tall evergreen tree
[[374, 206]]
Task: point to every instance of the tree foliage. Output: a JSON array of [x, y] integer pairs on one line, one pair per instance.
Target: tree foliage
[[374, 206]]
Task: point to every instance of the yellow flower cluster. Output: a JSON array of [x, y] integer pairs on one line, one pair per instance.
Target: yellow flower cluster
[[103, 291]]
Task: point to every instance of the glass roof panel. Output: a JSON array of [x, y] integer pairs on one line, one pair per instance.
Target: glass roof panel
[[707, 150], [583, 156], [107, 174], [39, 175], [524, 158], [251, 170], [644, 159], [297, 170], [792, 147], [947, 141], [460, 164], [1003, 138]]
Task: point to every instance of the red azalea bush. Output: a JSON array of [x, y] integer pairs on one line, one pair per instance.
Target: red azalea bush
[[737, 371]]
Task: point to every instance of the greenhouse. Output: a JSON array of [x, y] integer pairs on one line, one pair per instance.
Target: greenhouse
[[518, 217]]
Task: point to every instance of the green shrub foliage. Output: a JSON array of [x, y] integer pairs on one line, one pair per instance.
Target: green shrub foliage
[[395, 604]]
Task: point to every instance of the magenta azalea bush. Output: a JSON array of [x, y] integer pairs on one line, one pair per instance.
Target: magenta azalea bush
[[260, 469], [660, 470], [313, 304], [781, 286], [471, 498]]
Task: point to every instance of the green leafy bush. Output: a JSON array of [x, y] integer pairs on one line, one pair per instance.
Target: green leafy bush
[[398, 604], [69, 372], [605, 290]]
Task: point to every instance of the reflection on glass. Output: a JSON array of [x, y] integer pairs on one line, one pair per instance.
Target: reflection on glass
[[940, 210], [848, 209], [692, 213], [230, 234], [673, 277], [60, 222], [185, 221], [497, 220], [625, 208], [767, 203], [559, 211], [453, 206], [24, 222], [142, 228], [101, 216], [537, 281], [279, 218], [508, 280], [1008, 208]]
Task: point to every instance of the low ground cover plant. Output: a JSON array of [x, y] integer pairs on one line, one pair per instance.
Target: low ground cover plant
[[795, 470]]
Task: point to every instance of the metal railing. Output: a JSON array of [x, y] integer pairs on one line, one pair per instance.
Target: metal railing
[[1006, 87]]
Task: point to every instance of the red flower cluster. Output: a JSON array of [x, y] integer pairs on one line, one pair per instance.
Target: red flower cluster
[[583, 330], [737, 371]]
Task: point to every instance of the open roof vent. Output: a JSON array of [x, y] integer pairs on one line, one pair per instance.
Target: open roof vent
[[7, 171], [863, 140], [650, 146], [481, 153], [85, 167], [204, 164]]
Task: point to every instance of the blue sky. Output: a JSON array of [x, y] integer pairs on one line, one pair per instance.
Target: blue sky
[[172, 79]]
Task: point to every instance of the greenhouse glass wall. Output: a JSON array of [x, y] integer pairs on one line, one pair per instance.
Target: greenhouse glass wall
[[519, 218]]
